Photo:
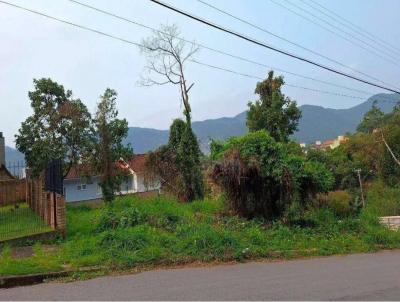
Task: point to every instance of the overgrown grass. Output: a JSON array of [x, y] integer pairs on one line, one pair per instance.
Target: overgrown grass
[[20, 222], [383, 200], [156, 231]]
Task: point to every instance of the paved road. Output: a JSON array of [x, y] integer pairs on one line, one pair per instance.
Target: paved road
[[355, 277]]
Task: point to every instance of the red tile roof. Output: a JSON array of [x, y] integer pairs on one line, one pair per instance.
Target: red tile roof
[[328, 143], [136, 163], [78, 172]]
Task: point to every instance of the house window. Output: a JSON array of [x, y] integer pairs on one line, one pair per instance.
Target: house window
[[81, 187]]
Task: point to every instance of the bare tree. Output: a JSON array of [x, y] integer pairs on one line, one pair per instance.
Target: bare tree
[[167, 55]]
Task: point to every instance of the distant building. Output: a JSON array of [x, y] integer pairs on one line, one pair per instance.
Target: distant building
[[303, 145], [341, 139], [330, 144], [78, 186], [327, 144]]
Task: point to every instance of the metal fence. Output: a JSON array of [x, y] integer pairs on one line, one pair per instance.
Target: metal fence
[[19, 220], [31, 205], [12, 192]]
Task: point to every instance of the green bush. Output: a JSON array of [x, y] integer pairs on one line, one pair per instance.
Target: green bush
[[261, 177], [340, 202]]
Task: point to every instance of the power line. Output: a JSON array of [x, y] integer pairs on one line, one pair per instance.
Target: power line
[[140, 45], [289, 85], [350, 35], [359, 28], [220, 51], [349, 27], [246, 38], [270, 33], [279, 3], [265, 30], [69, 23], [194, 61]]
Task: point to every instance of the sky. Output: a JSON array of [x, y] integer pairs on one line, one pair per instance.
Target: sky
[[86, 63]]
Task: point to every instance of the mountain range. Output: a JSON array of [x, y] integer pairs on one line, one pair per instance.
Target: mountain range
[[317, 123]]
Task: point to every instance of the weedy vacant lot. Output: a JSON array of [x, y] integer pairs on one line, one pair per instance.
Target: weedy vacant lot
[[135, 232]]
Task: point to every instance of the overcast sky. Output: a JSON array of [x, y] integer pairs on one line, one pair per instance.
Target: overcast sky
[[34, 47]]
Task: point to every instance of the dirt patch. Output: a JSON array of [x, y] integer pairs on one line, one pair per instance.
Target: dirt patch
[[28, 251]]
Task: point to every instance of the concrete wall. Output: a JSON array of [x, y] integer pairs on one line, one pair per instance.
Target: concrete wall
[[133, 184], [141, 185], [392, 222], [71, 192]]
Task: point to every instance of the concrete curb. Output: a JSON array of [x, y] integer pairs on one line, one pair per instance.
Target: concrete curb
[[41, 237], [13, 281]]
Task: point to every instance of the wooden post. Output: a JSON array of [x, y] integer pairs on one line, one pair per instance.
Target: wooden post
[[361, 187]]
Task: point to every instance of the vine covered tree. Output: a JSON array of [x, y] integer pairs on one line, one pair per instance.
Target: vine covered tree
[[167, 54], [175, 165], [262, 177], [107, 144], [274, 111], [58, 128]]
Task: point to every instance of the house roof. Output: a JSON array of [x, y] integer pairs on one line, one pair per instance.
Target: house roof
[[328, 143], [136, 163], [5, 174], [78, 172]]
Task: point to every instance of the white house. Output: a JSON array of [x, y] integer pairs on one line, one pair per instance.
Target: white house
[[79, 187]]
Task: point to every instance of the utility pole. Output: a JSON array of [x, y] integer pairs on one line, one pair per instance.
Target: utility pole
[[358, 171]]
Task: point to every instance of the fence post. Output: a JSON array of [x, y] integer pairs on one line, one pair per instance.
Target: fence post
[[61, 219]]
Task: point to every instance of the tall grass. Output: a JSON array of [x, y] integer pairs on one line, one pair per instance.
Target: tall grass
[[383, 200]]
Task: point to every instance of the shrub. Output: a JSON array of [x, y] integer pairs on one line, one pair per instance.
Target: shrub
[[339, 202], [261, 177], [254, 176]]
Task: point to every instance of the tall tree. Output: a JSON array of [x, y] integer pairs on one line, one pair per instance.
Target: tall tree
[[274, 111], [372, 119], [108, 147], [167, 54], [58, 128]]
